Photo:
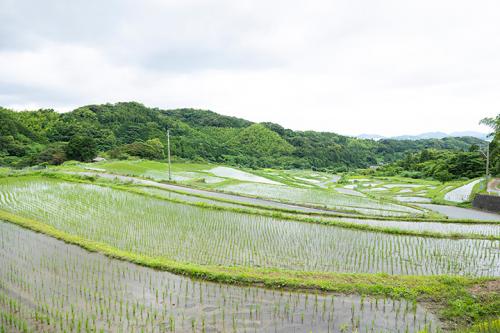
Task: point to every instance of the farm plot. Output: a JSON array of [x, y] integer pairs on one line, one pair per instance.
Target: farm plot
[[158, 228], [301, 178], [412, 199], [239, 175], [47, 285], [461, 193], [471, 229], [284, 185], [185, 197], [181, 172], [434, 227], [330, 199]]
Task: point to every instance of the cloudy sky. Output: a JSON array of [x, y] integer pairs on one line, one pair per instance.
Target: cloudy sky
[[371, 66]]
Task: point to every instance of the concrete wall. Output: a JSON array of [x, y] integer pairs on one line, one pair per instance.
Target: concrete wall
[[487, 202]]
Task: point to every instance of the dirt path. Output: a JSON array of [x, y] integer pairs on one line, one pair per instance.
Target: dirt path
[[462, 213], [494, 186]]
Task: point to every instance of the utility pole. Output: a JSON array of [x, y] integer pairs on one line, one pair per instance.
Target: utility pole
[[168, 152], [486, 154], [487, 161]]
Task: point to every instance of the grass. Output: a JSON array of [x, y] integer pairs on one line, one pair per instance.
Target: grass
[[489, 326], [460, 301], [195, 175], [158, 227], [199, 175], [453, 297], [113, 295], [449, 229]]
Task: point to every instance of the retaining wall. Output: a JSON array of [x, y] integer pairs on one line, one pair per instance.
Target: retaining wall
[[487, 202]]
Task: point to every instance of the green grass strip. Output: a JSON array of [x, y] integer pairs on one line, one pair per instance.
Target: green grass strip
[[64, 176], [319, 214], [282, 216], [346, 212], [450, 295]]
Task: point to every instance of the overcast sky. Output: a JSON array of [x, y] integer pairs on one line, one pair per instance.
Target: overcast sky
[[351, 67]]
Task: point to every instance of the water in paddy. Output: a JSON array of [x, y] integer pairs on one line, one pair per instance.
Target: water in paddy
[[240, 175], [483, 229], [159, 228], [328, 199], [444, 228], [48, 285], [461, 193]]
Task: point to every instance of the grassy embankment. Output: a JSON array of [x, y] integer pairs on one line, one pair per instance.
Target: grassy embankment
[[459, 300]]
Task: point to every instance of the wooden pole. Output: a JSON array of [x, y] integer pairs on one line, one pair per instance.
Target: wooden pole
[[487, 161], [168, 152]]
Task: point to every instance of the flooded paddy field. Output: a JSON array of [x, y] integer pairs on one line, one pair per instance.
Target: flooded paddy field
[[329, 199], [158, 228], [47, 285], [444, 228], [481, 229]]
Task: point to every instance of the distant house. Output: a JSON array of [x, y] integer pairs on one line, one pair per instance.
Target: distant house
[[98, 159]]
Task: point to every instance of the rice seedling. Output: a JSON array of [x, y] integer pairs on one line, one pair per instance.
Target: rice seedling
[[325, 198], [159, 228], [475, 230], [47, 285], [277, 185], [444, 228]]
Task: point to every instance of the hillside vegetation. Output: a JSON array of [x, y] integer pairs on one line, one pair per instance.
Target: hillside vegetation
[[131, 129]]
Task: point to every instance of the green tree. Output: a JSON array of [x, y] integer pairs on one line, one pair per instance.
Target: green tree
[[494, 123], [259, 141], [157, 148], [81, 148], [54, 154]]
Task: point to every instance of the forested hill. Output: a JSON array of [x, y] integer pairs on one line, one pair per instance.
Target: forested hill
[[125, 129]]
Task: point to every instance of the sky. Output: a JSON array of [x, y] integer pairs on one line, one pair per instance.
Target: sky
[[389, 67]]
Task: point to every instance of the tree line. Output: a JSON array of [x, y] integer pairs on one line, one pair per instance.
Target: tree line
[[125, 130]]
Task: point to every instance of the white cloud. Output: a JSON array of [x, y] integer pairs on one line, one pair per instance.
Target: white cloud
[[388, 67]]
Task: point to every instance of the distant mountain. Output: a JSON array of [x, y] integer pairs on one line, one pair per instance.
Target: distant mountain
[[428, 135], [482, 136], [375, 137]]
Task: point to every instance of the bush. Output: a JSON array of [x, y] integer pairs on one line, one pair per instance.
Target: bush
[[54, 154], [151, 149], [81, 148]]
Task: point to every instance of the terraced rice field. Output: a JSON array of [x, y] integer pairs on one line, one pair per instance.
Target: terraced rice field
[[461, 193], [47, 285], [184, 233], [438, 227], [240, 175], [472, 229], [329, 199], [293, 186]]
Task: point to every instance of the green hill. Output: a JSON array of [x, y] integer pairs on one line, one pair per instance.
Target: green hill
[[130, 128]]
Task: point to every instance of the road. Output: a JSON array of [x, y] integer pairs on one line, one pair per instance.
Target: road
[[462, 213]]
